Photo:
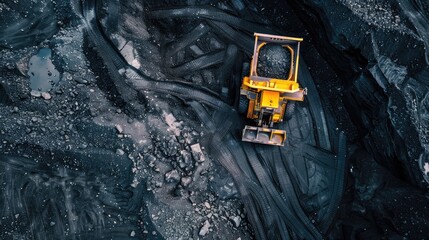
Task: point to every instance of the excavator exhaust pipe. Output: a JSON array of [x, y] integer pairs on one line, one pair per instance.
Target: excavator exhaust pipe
[[262, 135]]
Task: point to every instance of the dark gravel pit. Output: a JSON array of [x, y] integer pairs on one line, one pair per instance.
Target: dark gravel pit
[[133, 132]]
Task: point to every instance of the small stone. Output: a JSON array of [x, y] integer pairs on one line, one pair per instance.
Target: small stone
[[207, 205], [120, 152], [186, 162], [204, 229], [52, 223], [170, 119], [46, 96], [158, 184], [172, 176], [80, 80], [236, 220], [34, 119], [35, 93], [119, 128], [133, 233], [197, 153], [135, 183], [122, 70], [185, 181]]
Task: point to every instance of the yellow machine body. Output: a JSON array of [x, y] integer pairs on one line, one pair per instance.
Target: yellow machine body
[[268, 97]]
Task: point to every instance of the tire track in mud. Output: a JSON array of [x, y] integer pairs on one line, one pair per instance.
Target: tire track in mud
[[136, 80], [273, 211], [212, 13], [57, 201], [279, 201]]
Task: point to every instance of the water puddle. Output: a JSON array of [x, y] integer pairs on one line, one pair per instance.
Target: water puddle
[[42, 73]]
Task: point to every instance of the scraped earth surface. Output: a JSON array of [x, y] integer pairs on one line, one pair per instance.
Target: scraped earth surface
[[118, 120]]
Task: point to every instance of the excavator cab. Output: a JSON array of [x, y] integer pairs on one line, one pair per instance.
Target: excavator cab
[[267, 95]]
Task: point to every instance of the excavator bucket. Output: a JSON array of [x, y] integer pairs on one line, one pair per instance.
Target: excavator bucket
[[264, 135]]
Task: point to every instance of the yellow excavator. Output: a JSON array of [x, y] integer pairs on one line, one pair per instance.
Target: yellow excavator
[[267, 95]]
